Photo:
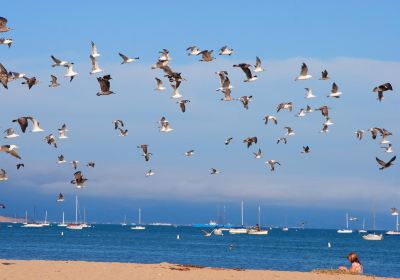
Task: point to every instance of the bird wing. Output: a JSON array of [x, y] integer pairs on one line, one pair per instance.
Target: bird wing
[[56, 60], [23, 123], [94, 48], [78, 175], [247, 71], [124, 57], [3, 21], [183, 106], [334, 88], [393, 159], [381, 162], [53, 79], [94, 62], [258, 61], [304, 69], [14, 154]]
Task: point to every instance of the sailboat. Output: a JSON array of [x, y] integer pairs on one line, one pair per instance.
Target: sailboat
[[242, 229], [346, 230], [31, 224], [257, 230], [373, 236], [363, 230], [124, 223], [285, 228], [138, 226], [85, 225], [63, 224], [76, 225], [45, 223], [394, 232]]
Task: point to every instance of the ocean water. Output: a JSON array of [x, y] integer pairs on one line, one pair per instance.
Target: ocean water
[[295, 250]]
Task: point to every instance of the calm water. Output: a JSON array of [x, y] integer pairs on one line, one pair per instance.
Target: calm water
[[296, 250]]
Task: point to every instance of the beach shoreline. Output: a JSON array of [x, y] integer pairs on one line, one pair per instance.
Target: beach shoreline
[[46, 269]]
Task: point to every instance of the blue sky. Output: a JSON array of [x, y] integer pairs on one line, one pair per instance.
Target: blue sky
[[357, 44]]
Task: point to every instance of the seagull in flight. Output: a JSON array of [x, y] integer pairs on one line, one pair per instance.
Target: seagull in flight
[[51, 140], [268, 118], [258, 154], [388, 149], [182, 105], [246, 69], [58, 62], [75, 164], [189, 153], [258, 67], [94, 52], [10, 133], [225, 51], [149, 173], [79, 181], [206, 55], [228, 141], [335, 91], [359, 134], [381, 89], [250, 141], [11, 150], [309, 93], [3, 176], [306, 150], [386, 164], [126, 59], [272, 164], [60, 159], [245, 101], [30, 82], [160, 86], [6, 41], [324, 75], [104, 83], [95, 65], [303, 73], [285, 105], [70, 71], [61, 132], [3, 25], [214, 171], [193, 50], [53, 82]]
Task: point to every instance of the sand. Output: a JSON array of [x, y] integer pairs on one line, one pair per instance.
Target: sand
[[17, 269]]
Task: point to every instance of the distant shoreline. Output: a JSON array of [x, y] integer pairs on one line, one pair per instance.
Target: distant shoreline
[[44, 269]]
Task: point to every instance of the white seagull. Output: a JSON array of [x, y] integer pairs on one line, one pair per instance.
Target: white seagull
[[160, 86], [70, 71], [126, 59], [303, 73], [309, 93], [95, 65], [258, 67], [335, 91], [94, 52]]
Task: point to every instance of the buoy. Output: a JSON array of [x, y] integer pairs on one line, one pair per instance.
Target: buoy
[[62, 233], [329, 245], [177, 237]]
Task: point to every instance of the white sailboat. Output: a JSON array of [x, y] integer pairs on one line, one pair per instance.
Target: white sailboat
[[363, 230], [31, 224], [45, 223], [394, 232], [373, 236], [76, 225], [257, 230], [242, 229], [346, 230], [63, 224], [85, 225], [124, 222], [138, 225]]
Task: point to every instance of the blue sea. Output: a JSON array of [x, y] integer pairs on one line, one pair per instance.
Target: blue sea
[[295, 250]]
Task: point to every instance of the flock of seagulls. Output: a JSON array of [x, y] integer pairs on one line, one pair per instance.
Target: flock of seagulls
[[175, 79]]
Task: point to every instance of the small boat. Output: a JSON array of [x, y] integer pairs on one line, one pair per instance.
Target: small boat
[[63, 224], [124, 222], [211, 224], [242, 229], [138, 226], [257, 229], [363, 230], [394, 232], [76, 225], [85, 225], [373, 237], [45, 223], [27, 224], [285, 228], [346, 230]]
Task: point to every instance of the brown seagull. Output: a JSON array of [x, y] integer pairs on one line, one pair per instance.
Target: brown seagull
[[385, 164]]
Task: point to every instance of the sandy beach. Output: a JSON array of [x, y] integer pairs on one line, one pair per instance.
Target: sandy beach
[[18, 269]]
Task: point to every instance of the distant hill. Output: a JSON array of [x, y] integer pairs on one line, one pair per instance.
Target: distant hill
[[4, 219]]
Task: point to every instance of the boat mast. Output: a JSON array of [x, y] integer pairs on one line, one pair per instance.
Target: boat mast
[[140, 216], [45, 218], [364, 223], [397, 222], [63, 217], [242, 212], [76, 209], [259, 216], [26, 216], [347, 220]]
